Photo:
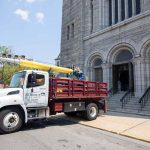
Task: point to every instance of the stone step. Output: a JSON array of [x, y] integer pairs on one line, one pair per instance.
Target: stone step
[[125, 110], [115, 99], [144, 113], [128, 107], [145, 109], [111, 105], [147, 106], [137, 112], [115, 102], [132, 106], [116, 96]]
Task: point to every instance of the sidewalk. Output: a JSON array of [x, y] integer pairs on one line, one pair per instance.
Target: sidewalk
[[134, 126]]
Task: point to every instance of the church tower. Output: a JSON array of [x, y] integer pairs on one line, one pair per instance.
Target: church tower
[[71, 39]]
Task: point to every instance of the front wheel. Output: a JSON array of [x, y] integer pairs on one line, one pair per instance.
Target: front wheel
[[91, 111], [10, 120]]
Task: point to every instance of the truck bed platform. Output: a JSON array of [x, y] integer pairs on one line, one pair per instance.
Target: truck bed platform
[[68, 89]]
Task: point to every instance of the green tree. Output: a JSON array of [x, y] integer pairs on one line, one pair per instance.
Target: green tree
[[5, 50], [7, 72]]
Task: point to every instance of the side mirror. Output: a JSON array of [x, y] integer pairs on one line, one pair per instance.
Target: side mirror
[[33, 78], [32, 90]]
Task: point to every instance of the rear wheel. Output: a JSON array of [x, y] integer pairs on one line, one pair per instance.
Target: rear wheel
[[10, 120], [91, 111]]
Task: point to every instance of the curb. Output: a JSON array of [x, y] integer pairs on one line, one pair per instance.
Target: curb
[[117, 133], [140, 139]]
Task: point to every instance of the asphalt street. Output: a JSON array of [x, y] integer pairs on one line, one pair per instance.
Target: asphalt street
[[60, 134]]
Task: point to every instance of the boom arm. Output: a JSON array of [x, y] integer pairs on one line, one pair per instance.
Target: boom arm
[[36, 65]]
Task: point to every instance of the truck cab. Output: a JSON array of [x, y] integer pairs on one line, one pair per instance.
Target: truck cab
[[26, 96]]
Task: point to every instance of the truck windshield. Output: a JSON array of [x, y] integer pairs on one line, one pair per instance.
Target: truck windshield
[[18, 80]]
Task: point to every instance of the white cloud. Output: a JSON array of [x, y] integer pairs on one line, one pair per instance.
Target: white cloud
[[24, 14], [30, 1], [40, 17]]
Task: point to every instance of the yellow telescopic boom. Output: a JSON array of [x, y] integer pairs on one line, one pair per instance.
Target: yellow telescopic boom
[[36, 65], [46, 67]]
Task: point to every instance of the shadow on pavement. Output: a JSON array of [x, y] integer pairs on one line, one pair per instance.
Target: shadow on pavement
[[53, 121]]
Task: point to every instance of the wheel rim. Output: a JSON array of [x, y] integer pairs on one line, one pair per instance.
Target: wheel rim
[[93, 111], [11, 120]]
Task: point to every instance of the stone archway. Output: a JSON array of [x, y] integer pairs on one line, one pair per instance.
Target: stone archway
[[122, 68], [95, 68], [115, 50]]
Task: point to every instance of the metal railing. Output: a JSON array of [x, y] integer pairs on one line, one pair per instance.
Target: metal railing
[[110, 92], [145, 97], [126, 98]]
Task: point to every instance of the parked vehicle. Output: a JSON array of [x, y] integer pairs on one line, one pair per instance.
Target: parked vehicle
[[32, 94]]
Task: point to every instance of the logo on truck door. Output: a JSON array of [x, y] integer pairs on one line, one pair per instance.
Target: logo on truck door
[[33, 97]]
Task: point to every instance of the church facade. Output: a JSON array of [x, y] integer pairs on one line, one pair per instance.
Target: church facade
[[109, 40]]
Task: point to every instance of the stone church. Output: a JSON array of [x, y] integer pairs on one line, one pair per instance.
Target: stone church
[[109, 40]]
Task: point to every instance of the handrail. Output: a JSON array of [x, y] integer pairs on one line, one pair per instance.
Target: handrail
[[126, 97], [143, 100], [110, 92]]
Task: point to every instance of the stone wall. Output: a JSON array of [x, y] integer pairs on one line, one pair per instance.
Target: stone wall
[[71, 49], [104, 41]]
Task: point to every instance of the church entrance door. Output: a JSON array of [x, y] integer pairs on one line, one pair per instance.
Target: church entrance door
[[123, 77]]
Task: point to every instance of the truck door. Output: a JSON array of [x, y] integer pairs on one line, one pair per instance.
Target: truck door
[[36, 92]]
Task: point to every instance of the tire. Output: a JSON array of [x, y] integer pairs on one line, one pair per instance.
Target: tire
[[11, 120], [91, 111], [70, 114]]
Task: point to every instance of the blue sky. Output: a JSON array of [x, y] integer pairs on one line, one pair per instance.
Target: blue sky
[[32, 28]]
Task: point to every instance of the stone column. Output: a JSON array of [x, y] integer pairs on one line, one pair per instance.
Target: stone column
[[148, 68], [126, 9], [89, 72], [147, 72], [101, 13], [113, 12], [92, 15], [133, 7], [139, 76], [106, 74], [105, 13], [143, 84], [119, 10]]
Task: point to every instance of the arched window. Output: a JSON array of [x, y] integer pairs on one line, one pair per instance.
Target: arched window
[[116, 11], [110, 12], [122, 10], [97, 62], [130, 8], [124, 55], [92, 14], [97, 70], [138, 6]]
